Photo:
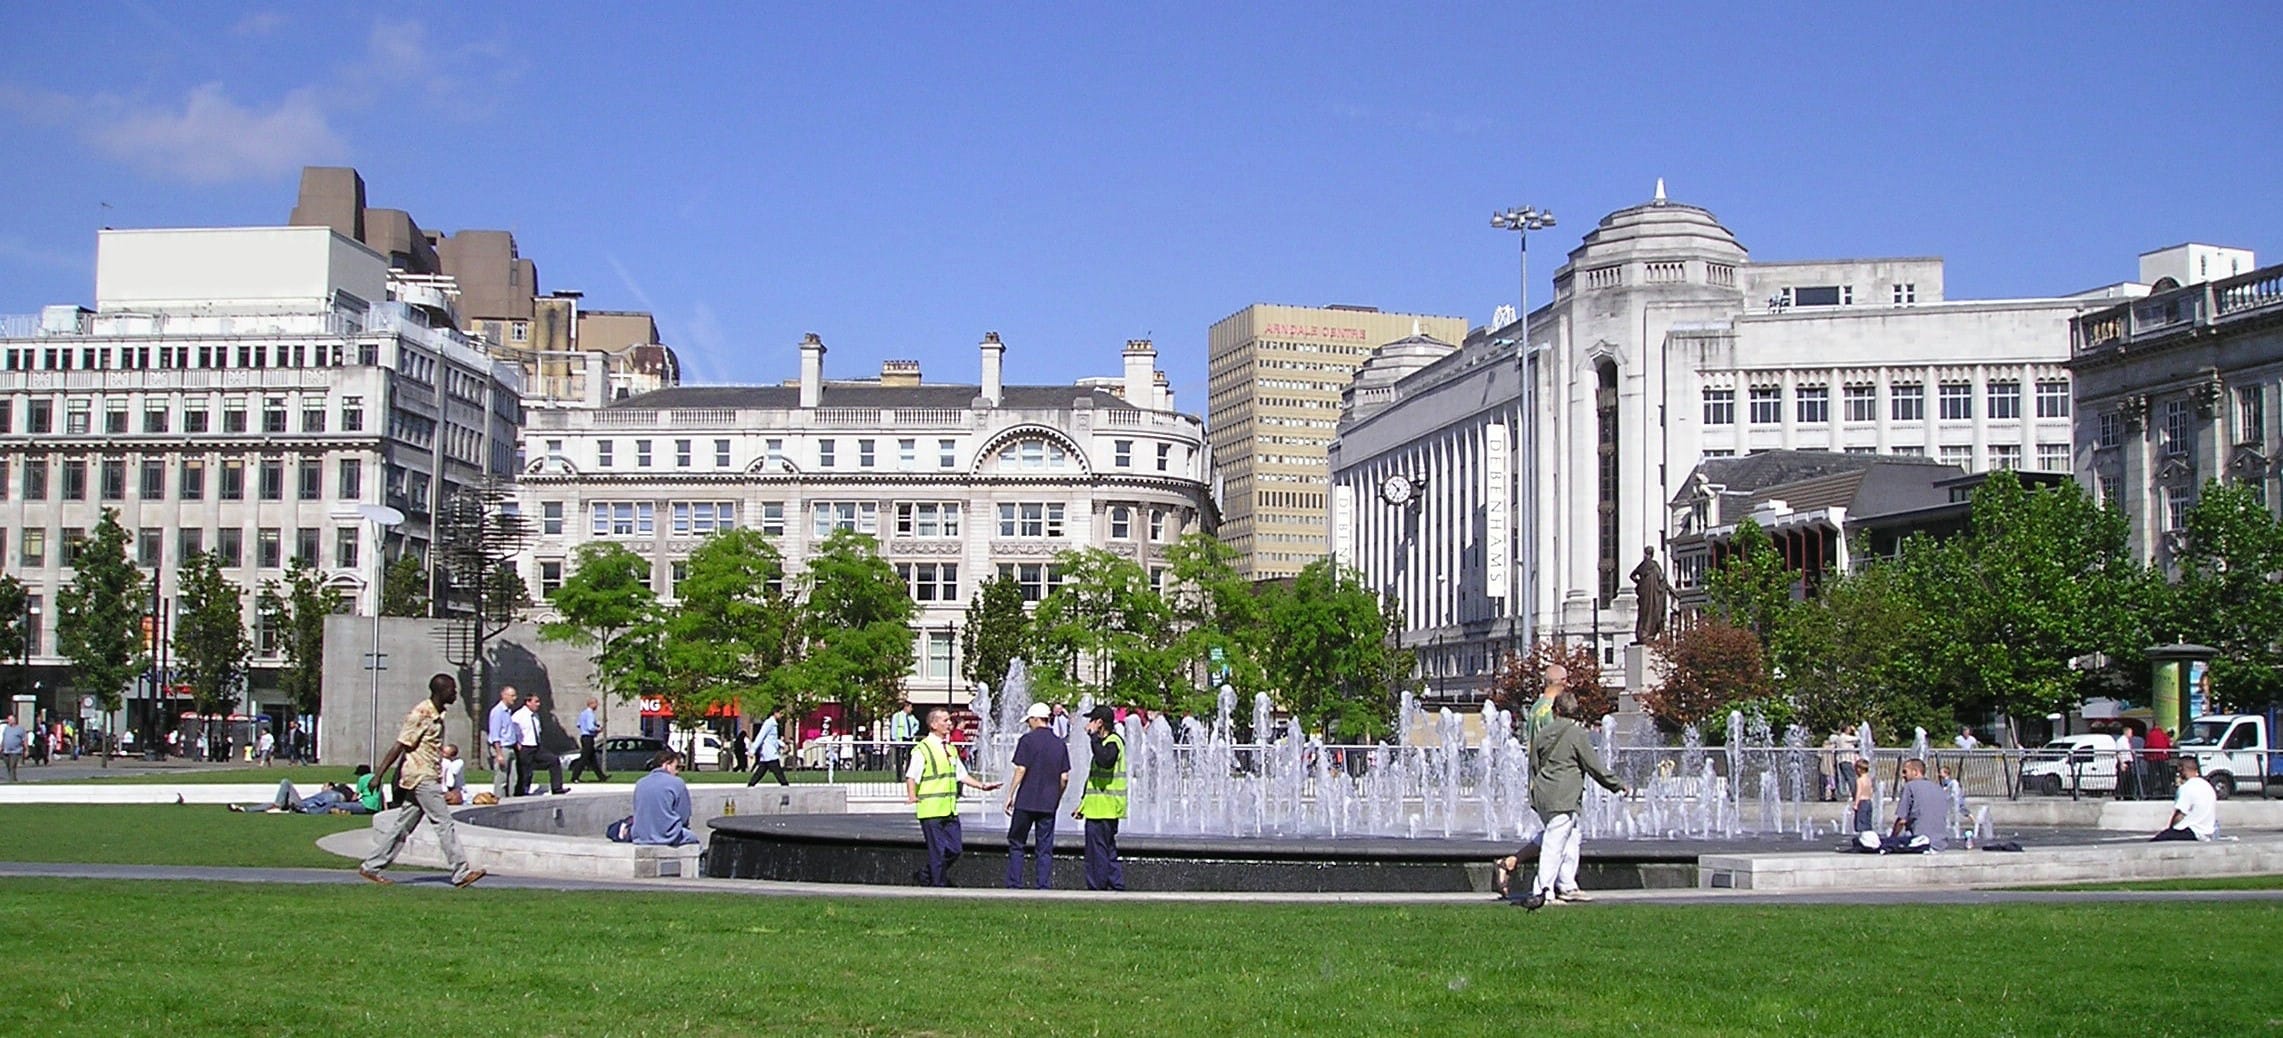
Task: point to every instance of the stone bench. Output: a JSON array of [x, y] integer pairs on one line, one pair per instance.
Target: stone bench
[[2255, 854], [563, 835]]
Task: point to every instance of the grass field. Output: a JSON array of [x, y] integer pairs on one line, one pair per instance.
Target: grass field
[[169, 834], [356, 960]]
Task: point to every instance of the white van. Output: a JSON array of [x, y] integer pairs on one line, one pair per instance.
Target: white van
[[702, 749], [2087, 763]]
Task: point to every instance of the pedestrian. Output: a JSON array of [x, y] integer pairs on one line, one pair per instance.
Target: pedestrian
[[662, 811], [499, 735], [1061, 722], [1866, 795], [1553, 682], [1034, 794], [531, 754], [590, 729], [903, 730], [769, 749], [1966, 740], [2195, 806], [1561, 756], [931, 786], [265, 747], [1104, 802], [419, 747], [13, 739]]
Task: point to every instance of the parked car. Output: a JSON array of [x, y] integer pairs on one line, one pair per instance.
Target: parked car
[[703, 748], [629, 753], [2082, 762]]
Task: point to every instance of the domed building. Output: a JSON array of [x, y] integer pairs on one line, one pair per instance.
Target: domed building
[[1502, 492]]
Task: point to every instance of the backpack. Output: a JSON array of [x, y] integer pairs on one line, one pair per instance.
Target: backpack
[[621, 831]]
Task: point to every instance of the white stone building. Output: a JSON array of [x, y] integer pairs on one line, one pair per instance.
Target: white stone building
[[238, 391], [959, 482], [1532, 498]]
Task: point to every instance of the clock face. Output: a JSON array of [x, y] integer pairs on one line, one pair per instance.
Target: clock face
[[1396, 490]]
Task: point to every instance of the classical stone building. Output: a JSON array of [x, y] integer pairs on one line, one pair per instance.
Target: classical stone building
[[239, 391], [1534, 468], [958, 481]]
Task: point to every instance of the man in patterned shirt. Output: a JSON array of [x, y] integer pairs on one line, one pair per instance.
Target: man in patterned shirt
[[420, 747]]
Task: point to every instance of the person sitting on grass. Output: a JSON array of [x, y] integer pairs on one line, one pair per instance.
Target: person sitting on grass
[[333, 797], [662, 804], [2195, 807]]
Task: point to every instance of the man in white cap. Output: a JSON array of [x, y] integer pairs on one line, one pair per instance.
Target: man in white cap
[[1042, 772]]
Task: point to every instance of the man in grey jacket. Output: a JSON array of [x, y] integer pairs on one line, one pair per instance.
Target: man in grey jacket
[[1561, 757]]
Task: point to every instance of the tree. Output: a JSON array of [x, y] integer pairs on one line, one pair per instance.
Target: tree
[[1104, 629], [14, 632], [855, 634], [506, 596], [210, 643], [1521, 678], [734, 624], [297, 610], [99, 617], [1862, 650], [606, 603], [404, 588], [997, 632], [1215, 616], [1709, 666], [2228, 594], [1329, 655], [1750, 588]]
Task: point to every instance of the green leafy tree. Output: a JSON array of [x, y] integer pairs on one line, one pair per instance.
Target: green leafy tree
[[606, 603], [997, 632], [733, 626], [1709, 666], [14, 635], [296, 609], [1750, 588], [1216, 619], [1862, 650], [99, 616], [2229, 592], [854, 631], [404, 587], [1329, 655], [506, 596], [210, 643], [1104, 630]]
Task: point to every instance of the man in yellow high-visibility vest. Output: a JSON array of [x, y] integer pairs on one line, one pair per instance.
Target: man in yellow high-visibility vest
[[1104, 802], [931, 786]]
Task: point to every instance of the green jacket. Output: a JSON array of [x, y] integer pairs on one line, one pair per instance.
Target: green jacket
[[1560, 759]]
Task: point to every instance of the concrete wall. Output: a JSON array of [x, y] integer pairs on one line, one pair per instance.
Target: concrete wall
[[414, 648]]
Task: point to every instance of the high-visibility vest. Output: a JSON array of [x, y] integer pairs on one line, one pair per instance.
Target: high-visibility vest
[[939, 781], [1106, 790]]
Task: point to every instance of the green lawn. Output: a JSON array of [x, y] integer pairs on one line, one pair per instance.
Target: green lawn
[[236, 959], [169, 834], [2189, 883]]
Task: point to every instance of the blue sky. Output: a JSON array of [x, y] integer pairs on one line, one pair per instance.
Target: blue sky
[[902, 178]]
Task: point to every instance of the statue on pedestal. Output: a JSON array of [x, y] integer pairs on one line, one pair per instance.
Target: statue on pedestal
[[1652, 597]]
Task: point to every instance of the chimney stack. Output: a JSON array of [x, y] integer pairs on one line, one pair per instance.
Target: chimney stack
[[812, 370], [1164, 392], [900, 374], [994, 356], [1141, 365]]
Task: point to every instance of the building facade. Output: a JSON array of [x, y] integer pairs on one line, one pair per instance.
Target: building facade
[[957, 482], [1274, 380], [2177, 389], [1538, 486], [240, 392]]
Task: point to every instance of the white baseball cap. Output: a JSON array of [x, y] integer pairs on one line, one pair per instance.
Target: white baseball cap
[[1040, 711]]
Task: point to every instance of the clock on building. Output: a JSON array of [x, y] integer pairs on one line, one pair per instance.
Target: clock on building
[[1398, 489]]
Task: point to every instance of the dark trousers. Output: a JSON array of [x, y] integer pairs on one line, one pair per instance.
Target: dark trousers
[[2170, 833], [1025, 826], [530, 758], [589, 757], [775, 764], [944, 845], [1103, 872]]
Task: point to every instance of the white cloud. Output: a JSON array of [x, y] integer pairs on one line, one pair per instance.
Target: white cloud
[[213, 139]]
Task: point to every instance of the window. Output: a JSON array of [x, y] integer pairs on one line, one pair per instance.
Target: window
[[189, 542], [927, 518], [1905, 292], [1121, 523], [2005, 456], [1719, 407], [855, 516], [1122, 454], [1820, 295], [35, 547], [1037, 579], [230, 546], [39, 416], [1907, 402], [155, 418], [8, 410], [154, 479], [114, 479], [825, 449], [1767, 405], [2053, 399], [550, 577], [115, 416], [1963, 457], [2106, 488], [311, 479], [682, 454], [272, 479], [36, 477], [866, 454], [233, 416], [1030, 519], [944, 453], [74, 479], [624, 518], [305, 546], [1813, 404], [1861, 402], [641, 454], [75, 417], [352, 478], [1033, 454], [721, 454], [193, 479], [74, 541], [2110, 426], [776, 450], [268, 548], [2176, 502], [2250, 415], [677, 570], [551, 518], [1957, 401], [352, 414], [931, 581], [196, 419], [2005, 399], [149, 542], [2175, 432], [273, 414], [907, 454], [773, 518], [1157, 517], [345, 547], [603, 451], [2053, 457], [1164, 456], [703, 517], [939, 655], [313, 415]]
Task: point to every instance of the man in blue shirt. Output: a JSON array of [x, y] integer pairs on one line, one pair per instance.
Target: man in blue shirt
[[500, 734], [1042, 773], [769, 750], [590, 729], [662, 805], [12, 742]]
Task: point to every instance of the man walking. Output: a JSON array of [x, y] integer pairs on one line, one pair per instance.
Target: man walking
[[530, 756], [931, 785], [1104, 802], [12, 741], [1042, 773], [590, 729], [769, 750], [499, 735], [1560, 759], [419, 747]]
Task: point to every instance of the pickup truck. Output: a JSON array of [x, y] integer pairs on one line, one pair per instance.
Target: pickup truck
[[2236, 751], [2087, 763]]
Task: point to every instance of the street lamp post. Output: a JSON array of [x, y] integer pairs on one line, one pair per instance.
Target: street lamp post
[[382, 517], [1522, 221], [950, 659]]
